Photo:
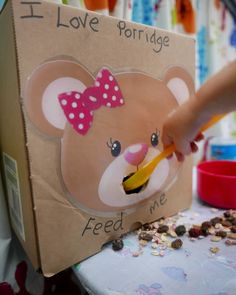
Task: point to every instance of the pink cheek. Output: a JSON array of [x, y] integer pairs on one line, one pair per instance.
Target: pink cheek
[[135, 154]]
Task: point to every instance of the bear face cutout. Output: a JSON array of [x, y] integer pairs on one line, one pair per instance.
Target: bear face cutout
[[106, 134]]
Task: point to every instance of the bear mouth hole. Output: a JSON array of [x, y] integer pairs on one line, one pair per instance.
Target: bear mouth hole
[[137, 189]]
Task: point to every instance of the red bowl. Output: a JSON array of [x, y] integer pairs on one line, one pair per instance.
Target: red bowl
[[216, 183]]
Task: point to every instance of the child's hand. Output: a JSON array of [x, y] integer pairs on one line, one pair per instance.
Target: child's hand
[[216, 96], [182, 128]]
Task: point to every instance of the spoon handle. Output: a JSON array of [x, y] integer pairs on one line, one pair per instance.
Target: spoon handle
[[171, 148], [141, 176]]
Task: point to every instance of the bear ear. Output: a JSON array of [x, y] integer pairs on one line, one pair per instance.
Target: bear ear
[[42, 90], [180, 83]]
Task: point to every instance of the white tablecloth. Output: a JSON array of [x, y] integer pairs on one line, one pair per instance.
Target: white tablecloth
[[190, 270]]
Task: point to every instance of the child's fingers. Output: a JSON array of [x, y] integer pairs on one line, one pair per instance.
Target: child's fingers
[[199, 137], [169, 157], [180, 157], [167, 141], [194, 147]]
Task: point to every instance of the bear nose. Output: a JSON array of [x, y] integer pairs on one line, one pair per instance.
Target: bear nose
[[136, 153]]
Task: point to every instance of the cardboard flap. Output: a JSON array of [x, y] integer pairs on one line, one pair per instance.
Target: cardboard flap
[[13, 140]]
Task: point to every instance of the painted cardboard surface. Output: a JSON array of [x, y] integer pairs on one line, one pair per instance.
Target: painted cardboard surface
[[95, 91]]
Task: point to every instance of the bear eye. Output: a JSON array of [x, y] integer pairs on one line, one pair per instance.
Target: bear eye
[[115, 147], [155, 138]]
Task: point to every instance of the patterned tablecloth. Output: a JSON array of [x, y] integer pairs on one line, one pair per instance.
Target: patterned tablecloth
[[191, 270]]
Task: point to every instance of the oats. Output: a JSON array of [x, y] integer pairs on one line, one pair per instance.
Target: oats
[[164, 237], [156, 239], [162, 253], [230, 242], [138, 231], [156, 225], [154, 245], [232, 236], [135, 254], [218, 226], [214, 210], [172, 233], [212, 231], [143, 242], [216, 238], [214, 250], [155, 253]]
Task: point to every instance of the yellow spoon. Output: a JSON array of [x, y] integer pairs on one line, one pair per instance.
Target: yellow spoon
[[143, 174]]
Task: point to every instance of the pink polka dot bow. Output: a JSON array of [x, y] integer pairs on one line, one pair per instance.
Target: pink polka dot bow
[[78, 107]]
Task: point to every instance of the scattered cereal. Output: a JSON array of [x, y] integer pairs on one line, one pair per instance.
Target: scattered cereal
[[221, 234], [172, 233], [162, 253], [233, 221], [230, 242], [226, 223], [160, 233], [146, 226], [164, 237], [176, 244], [135, 254], [212, 231], [163, 228], [214, 210], [145, 236], [117, 244], [154, 245], [143, 243], [163, 247], [218, 226], [204, 231], [194, 232], [227, 229], [214, 250], [180, 230], [216, 220], [232, 236], [207, 224], [215, 238], [155, 225], [193, 239], [227, 214], [155, 253], [233, 229]]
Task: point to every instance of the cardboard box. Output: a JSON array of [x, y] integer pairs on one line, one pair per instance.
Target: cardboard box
[[83, 98]]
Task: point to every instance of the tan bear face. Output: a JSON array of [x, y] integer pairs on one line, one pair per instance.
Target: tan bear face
[[109, 126]]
